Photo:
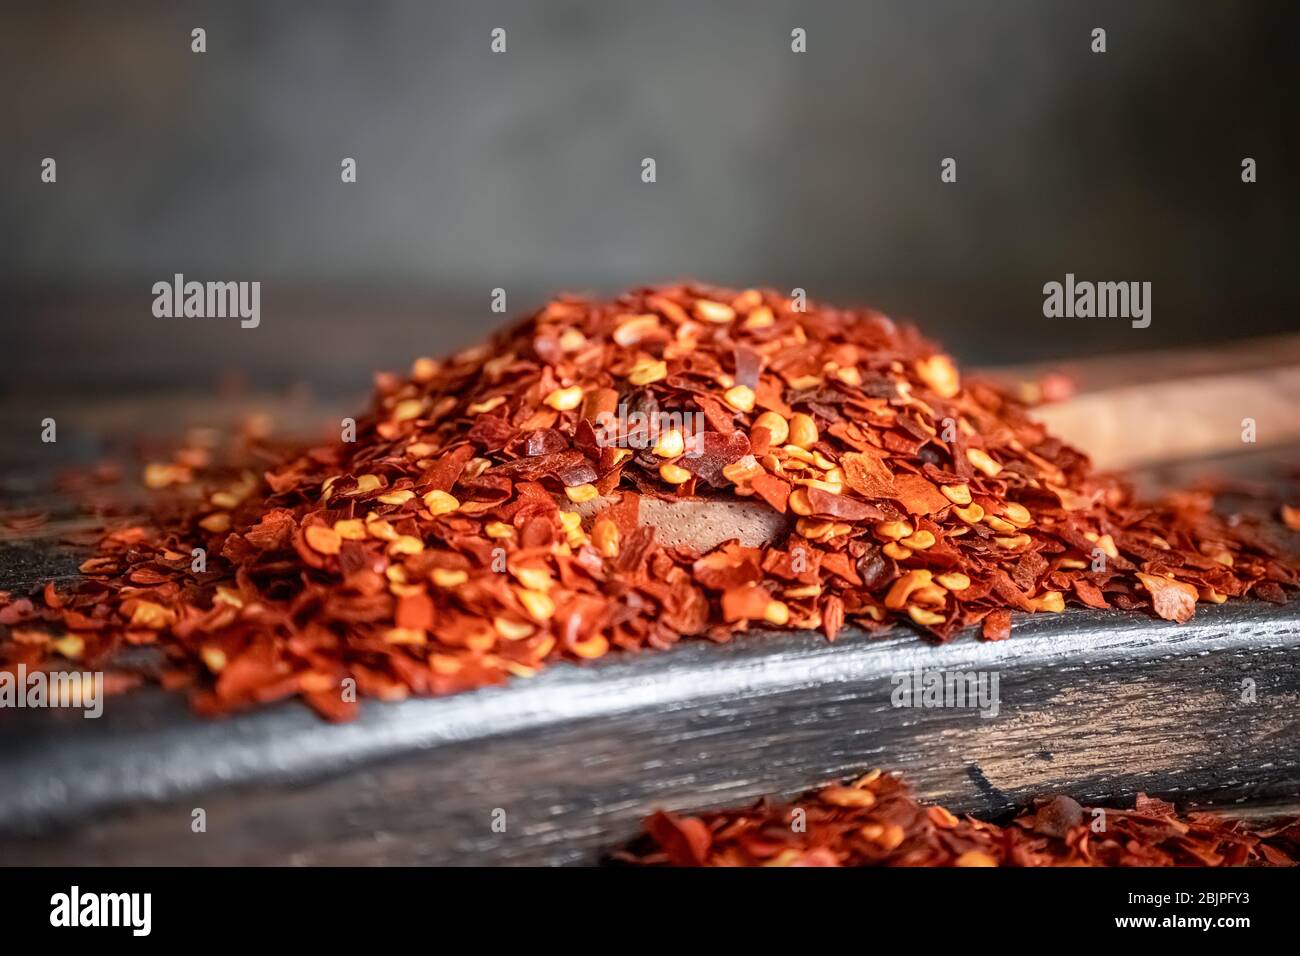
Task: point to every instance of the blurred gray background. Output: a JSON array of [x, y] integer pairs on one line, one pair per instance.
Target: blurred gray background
[[522, 170]]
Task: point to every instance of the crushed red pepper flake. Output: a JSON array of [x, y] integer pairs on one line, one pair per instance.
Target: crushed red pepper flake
[[876, 821], [452, 544]]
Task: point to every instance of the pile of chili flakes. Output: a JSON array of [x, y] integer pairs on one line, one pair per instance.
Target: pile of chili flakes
[[444, 548], [875, 821]]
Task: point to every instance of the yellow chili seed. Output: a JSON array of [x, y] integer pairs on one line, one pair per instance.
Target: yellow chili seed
[[919, 541], [643, 373], [932, 595], [216, 522], [482, 408], [803, 430], [799, 502], [396, 497], [580, 493], [739, 472], [834, 487], [971, 514], [1017, 513], [636, 328], [1051, 601], [674, 474], [448, 577], [740, 397], [942, 817], [980, 460], [715, 312], [896, 551], [405, 635], [776, 426], [923, 617], [957, 494], [902, 589], [803, 592], [445, 665], [777, 612], [322, 539], [351, 529], [512, 630], [847, 797], [538, 604], [498, 529], [670, 444], [894, 530], [214, 658], [405, 544], [570, 520], [591, 647], [939, 373], [533, 578], [571, 340], [405, 411], [813, 530], [228, 596], [849, 375], [226, 499], [440, 503], [1014, 543], [606, 538], [954, 581], [564, 399]]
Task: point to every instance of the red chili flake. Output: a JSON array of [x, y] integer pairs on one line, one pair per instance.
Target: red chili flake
[[875, 821], [745, 602], [685, 839], [868, 475], [828, 504], [997, 625], [715, 452], [918, 496], [1172, 600], [1089, 594], [773, 490], [486, 522]]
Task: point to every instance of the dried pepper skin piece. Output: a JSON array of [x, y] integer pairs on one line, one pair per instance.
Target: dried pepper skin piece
[[484, 522], [875, 821]]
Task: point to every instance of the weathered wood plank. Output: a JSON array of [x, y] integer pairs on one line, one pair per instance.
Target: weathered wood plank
[[1097, 705]]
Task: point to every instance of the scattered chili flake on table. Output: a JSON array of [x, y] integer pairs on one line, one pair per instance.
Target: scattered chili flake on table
[[875, 821], [483, 525]]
